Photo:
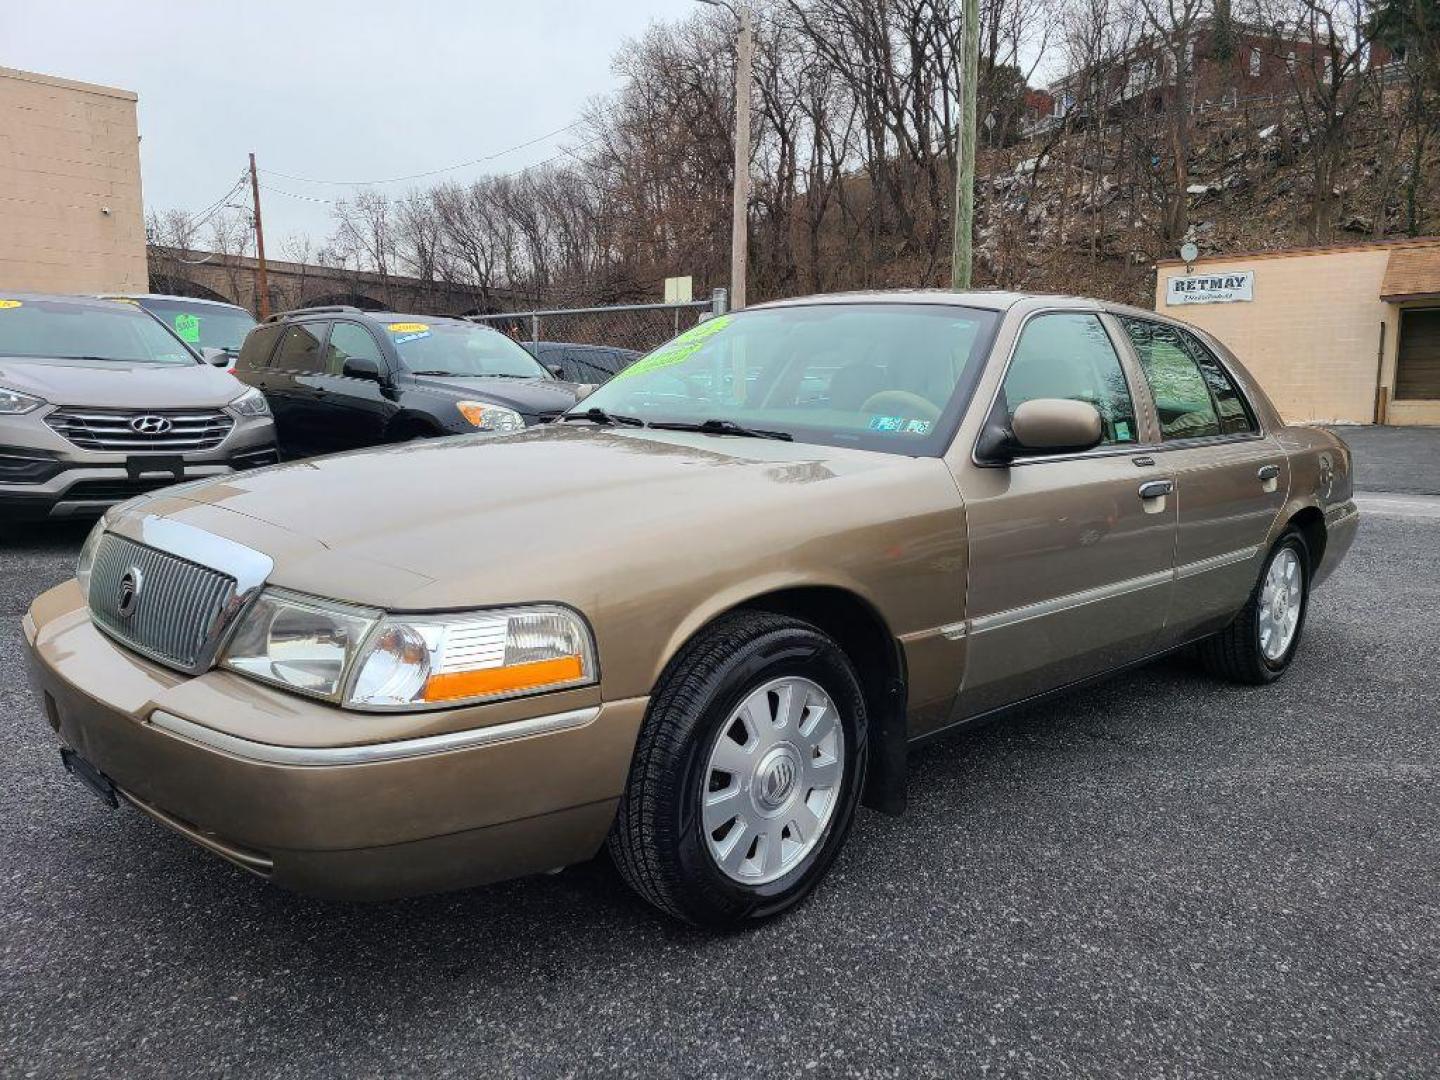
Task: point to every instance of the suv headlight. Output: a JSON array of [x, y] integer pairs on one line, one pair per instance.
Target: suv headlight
[[13, 403], [86, 562], [251, 403], [488, 417], [364, 659]]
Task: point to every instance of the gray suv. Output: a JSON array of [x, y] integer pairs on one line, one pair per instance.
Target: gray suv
[[100, 402]]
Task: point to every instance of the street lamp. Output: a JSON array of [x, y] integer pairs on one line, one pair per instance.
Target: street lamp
[[739, 221]]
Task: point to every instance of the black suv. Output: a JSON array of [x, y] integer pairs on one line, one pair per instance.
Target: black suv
[[339, 378]]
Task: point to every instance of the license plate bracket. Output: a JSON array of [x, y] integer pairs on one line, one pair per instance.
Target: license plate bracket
[[98, 783], [172, 465]]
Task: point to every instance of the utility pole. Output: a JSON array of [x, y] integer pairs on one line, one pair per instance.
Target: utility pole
[[962, 256], [262, 280], [740, 211]]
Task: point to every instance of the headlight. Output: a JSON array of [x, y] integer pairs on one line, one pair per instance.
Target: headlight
[[251, 403], [299, 642], [488, 417], [86, 563], [13, 403], [364, 659], [421, 661]]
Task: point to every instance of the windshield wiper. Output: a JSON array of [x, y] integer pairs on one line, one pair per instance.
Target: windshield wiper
[[474, 374], [722, 427], [600, 416]]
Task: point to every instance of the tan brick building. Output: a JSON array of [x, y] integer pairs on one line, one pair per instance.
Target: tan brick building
[[1341, 334], [71, 215]]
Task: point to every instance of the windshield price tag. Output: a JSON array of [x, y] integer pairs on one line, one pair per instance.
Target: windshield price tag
[[6, 305], [678, 350], [188, 328]]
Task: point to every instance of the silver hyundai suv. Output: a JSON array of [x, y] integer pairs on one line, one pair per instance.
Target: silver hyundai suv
[[100, 402]]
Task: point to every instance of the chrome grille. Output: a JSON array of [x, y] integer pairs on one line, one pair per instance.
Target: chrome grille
[[179, 608], [132, 430]]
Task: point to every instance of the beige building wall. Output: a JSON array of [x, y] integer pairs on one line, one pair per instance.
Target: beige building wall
[[71, 215], [1313, 334]]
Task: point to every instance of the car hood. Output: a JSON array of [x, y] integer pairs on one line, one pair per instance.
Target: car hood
[[551, 512], [523, 395], [114, 384]]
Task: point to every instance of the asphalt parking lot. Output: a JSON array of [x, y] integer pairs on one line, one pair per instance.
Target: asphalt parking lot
[[1160, 876]]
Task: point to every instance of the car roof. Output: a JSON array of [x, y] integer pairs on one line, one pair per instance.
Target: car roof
[[105, 303], [336, 311], [169, 296], [576, 346]]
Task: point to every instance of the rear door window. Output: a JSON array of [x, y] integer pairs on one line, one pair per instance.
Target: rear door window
[[1069, 355], [1182, 399], [300, 349], [259, 344], [1236, 416]]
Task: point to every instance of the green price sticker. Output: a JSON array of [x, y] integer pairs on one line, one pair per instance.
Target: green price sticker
[[679, 350], [188, 327]]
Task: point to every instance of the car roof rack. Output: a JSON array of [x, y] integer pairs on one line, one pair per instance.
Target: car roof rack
[[329, 309]]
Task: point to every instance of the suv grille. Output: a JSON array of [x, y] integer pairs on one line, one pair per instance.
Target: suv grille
[[131, 430], [179, 606]]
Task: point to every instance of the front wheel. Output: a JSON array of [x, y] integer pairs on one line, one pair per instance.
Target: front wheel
[[746, 773], [1260, 644]]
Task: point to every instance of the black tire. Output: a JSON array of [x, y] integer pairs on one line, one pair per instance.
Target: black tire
[[657, 841], [1235, 653]]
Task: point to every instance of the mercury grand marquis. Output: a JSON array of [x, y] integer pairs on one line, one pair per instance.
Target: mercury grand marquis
[[701, 617]]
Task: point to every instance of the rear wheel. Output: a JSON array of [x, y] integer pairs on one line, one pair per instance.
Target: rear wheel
[[746, 773], [1260, 644]]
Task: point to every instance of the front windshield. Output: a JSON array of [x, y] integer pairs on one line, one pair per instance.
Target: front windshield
[[461, 349], [63, 330], [204, 326], [881, 376]]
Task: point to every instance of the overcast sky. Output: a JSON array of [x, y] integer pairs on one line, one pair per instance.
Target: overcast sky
[[317, 88]]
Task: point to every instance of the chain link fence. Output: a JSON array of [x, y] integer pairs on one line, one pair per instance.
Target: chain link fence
[[588, 345]]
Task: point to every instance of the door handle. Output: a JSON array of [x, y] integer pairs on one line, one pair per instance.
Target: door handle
[[1269, 472], [1154, 489]]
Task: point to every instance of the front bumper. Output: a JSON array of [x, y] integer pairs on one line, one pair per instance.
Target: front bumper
[[498, 795], [43, 475]]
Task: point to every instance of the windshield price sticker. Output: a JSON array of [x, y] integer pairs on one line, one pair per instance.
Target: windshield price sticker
[[188, 328], [6, 305], [409, 328], [678, 350]]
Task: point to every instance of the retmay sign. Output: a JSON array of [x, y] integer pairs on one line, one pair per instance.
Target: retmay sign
[[1210, 288]]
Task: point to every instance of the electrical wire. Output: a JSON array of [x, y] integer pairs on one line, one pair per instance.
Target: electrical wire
[[567, 152], [430, 172]]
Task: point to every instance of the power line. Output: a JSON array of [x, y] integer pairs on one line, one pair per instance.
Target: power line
[[430, 172], [567, 152]]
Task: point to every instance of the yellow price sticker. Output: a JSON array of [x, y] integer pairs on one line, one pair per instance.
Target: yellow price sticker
[[408, 327], [6, 305]]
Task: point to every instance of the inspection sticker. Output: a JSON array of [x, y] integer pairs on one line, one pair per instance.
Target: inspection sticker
[[6, 305], [899, 424]]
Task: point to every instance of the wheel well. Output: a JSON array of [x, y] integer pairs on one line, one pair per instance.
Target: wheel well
[[862, 633], [1311, 523]]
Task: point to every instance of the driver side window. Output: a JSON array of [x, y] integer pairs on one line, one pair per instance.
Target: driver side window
[[1069, 355]]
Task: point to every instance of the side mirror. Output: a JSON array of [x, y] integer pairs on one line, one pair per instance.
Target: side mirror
[[215, 357], [584, 390], [556, 369], [1043, 426], [1055, 424], [362, 367]]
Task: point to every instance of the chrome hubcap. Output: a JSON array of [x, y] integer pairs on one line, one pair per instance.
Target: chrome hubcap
[[1280, 600], [772, 781]]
